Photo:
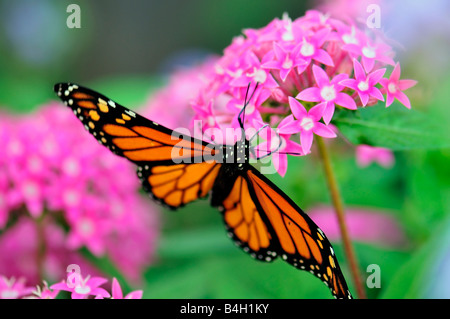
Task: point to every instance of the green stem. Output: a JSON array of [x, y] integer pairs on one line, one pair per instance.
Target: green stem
[[339, 208], [41, 247]]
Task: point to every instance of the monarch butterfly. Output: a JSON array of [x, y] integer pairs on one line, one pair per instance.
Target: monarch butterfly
[[259, 217]]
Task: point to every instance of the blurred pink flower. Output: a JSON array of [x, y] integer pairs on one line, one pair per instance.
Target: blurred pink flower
[[349, 9], [366, 154], [13, 288], [393, 87], [52, 170], [171, 105], [19, 248], [44, 293], [364, 84], [366, 225], [118, 294], [82, 288]]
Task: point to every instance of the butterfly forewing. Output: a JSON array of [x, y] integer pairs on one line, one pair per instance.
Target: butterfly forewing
[[128, 134]]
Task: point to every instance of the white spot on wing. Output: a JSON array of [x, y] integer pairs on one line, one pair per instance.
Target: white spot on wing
[[130, 113]]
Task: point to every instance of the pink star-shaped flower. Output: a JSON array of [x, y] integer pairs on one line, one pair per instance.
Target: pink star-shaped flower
[[366, 154], [12, 288], [365, 84], [394, 87], [252, 71], [285, 59], [310, 49], [44, 293], [307, 124], [370, 53], [81, 288], [118, 294], [328, 93]]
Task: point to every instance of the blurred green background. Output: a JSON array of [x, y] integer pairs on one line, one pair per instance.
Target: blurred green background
[[125, 49]]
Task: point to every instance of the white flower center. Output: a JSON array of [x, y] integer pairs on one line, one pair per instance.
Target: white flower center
[[328, 93], [15, 148], [48, 147], [277, 144], [363, 86], [9, 294], [392, 87], [349, 38], [34, 164], [287, 64], [307, 123], [71, 167], [249, 109], [369, 52], [307, 49], [219, 69], [30, 190], [86, 227], [211, 121], [82, 290], [288, 35], [71, 198], [259, 75]]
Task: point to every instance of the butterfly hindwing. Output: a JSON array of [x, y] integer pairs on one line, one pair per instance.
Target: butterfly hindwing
[[266, 223], [177, 185], [244, 223]]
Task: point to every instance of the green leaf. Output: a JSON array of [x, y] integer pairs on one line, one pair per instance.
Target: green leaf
[[395, 127], [425, 274], [206, 264]]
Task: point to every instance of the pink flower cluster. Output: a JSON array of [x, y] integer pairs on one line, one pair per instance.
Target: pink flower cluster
[[79, 288], [304, 69], [58, 193], [171, 105]]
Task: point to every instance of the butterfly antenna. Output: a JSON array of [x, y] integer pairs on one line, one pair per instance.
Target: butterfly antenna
[[271, 152], [259, 131], [241, 115]]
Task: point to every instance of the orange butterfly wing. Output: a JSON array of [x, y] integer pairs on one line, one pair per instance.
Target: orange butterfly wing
[[171, 166], [177, 185], [266, 223], [128, 134]]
